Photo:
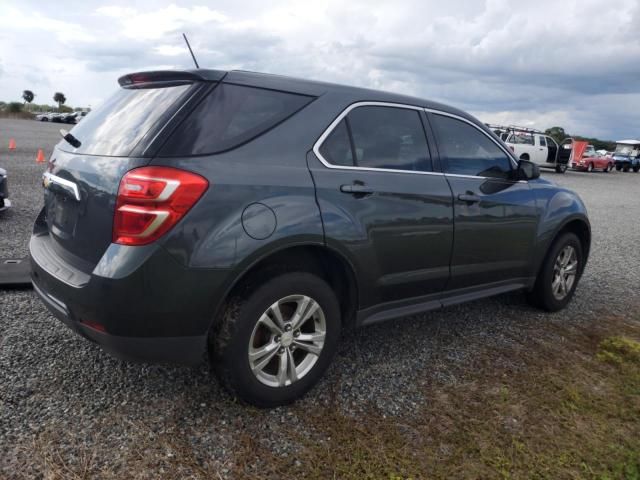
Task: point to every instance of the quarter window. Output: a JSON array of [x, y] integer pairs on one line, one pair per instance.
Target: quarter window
[[467, 151], [231, 115], [379, 137]]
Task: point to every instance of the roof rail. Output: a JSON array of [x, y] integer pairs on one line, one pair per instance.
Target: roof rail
[[513, 128]]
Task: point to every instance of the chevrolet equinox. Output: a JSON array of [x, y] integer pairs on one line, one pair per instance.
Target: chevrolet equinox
[[252, 217]]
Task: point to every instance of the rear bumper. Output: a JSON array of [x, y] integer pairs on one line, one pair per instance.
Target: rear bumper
[[181, 350], [159, 311]]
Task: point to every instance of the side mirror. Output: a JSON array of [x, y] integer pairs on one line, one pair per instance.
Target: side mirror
[[527, 170]]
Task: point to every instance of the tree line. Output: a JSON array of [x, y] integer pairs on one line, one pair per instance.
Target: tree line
[[559, 134], [28, 96]]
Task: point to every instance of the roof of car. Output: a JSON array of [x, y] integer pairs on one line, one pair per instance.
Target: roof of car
[[629, 142], [316, 88], [295, 85]]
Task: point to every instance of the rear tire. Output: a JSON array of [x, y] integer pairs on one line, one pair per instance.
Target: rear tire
[[636, 169], [552, 290], [252, 327]]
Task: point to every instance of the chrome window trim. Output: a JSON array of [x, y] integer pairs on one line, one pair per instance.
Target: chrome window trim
[[338, 119], [345, 112]]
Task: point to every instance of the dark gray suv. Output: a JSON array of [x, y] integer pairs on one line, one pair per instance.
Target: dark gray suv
[[254, 217]]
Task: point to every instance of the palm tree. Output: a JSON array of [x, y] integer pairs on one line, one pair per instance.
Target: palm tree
[[59, 98], [28, 96]]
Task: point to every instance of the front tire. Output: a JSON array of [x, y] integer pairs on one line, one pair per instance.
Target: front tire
[[559, 275], [561, 167], [590, 168], [275, 340]]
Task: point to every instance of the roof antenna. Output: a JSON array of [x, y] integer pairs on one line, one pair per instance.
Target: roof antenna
[[190, 51]]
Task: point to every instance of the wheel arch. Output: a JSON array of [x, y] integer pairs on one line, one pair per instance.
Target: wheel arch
[[577, 225], [315, 258]]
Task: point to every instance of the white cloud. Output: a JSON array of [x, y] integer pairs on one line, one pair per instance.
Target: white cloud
[[528, 62]]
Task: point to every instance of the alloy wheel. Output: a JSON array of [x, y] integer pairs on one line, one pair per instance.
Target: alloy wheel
[[565, 270], [287, 341]]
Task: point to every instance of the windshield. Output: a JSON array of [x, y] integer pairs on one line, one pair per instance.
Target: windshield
[[116, 126], [626, 150]]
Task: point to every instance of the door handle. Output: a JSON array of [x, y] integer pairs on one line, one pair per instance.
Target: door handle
[[469, 197], [356, 189]]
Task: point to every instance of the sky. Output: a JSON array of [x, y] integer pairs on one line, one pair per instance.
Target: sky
[[574, 63]]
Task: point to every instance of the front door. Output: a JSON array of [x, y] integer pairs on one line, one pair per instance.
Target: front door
[[383, 205], [495, 216]]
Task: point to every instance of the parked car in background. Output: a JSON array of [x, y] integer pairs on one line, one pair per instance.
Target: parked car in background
[[5, 203], [585, 158], [80, 115], [274, 212], [627, 155], [537, 147]]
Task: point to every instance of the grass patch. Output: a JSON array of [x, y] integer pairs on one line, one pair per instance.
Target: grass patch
[[555, 403], [570, 408]]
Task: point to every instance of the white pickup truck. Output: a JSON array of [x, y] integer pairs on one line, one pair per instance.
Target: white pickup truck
[[536, 147]]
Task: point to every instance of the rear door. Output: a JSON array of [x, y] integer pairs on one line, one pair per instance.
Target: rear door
[[382, 204], [82, 181], [495, 215]]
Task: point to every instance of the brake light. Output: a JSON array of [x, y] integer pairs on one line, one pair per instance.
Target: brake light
[[151, 200]]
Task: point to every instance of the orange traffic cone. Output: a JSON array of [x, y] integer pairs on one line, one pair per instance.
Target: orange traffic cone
[[12, 144], [40, 156]]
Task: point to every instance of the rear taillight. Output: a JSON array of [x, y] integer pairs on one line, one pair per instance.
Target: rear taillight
[[151, 200]]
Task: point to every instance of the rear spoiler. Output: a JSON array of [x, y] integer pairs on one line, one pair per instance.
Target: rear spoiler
[[170, 77]]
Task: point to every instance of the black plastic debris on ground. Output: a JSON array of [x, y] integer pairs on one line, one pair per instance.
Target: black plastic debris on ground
[[15, 273]]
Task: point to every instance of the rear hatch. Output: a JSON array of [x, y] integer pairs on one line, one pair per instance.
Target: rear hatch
[[82, 180]]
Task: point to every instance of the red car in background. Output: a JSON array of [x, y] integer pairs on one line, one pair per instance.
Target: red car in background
[[585, 158]]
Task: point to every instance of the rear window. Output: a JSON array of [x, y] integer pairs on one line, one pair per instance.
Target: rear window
[[229, 116], [116, 126]]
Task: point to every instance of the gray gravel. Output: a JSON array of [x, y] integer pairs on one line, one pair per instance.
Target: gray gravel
[[58, 389]]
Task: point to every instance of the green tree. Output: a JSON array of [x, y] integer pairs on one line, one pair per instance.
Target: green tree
[[59, 98], [14, 107], [557, 133], [28, 96]]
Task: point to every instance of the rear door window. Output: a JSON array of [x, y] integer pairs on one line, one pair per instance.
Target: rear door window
[[115, 127], [229, 116], [388, 138], [336, 149]]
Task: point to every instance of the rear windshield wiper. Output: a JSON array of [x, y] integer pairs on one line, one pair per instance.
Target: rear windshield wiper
[[70, 138]]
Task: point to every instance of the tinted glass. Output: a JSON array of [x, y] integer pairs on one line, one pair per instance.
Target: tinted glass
[[336, 149], [467, 151], [543, 142], [387, 137], [116, 126], [231, 115]]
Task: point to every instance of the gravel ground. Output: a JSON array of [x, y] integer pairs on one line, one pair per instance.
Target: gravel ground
[[58, 389]]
